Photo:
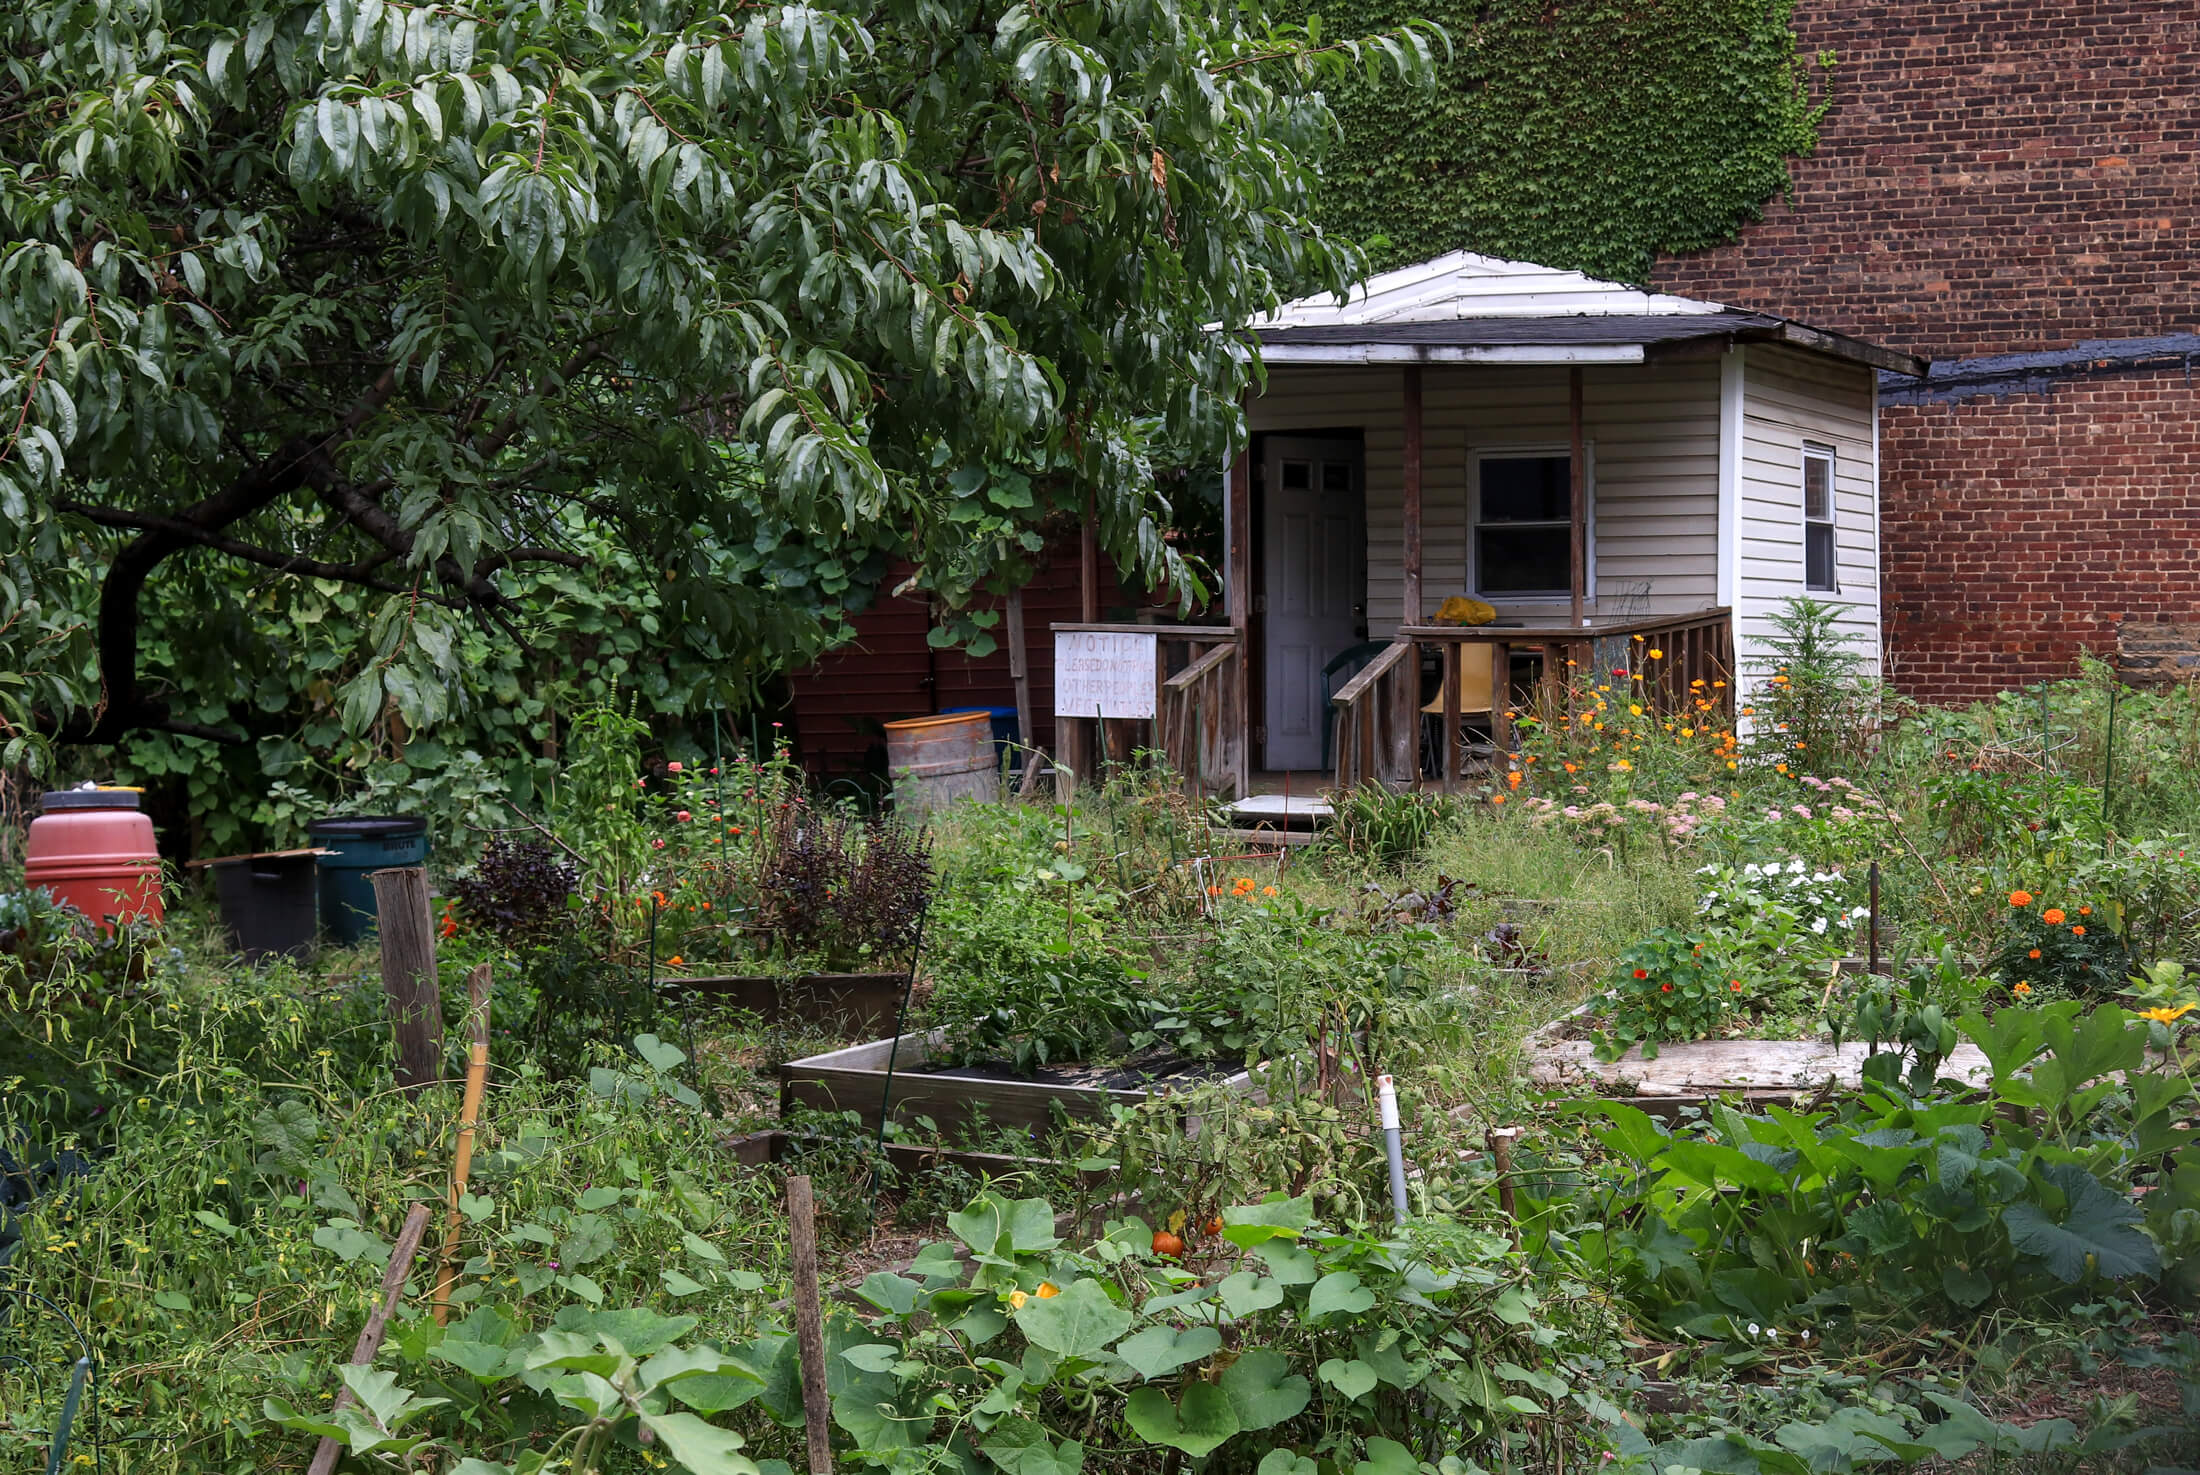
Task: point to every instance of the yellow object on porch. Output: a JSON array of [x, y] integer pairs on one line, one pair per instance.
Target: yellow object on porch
[[1460, 610], [1476, 662]]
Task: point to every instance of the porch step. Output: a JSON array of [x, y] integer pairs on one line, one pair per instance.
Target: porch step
[[1283, 811]]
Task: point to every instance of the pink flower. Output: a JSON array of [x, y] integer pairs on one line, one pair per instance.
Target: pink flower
[[672, 767], [683, 816], [658, 843], [1801, 811]]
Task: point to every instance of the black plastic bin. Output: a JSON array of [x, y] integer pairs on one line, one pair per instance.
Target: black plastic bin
[[268, 901]]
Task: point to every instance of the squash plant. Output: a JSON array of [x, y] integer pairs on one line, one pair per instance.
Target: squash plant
[[2078, 1165], [1270, 1342]]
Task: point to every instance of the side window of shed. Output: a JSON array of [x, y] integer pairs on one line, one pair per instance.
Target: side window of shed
[[1821, 572]]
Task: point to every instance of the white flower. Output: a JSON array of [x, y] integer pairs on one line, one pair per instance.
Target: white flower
[[1754, 1329], [1818, 925]]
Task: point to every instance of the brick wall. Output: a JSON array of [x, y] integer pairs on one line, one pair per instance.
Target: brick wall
[[2004, 176], [1995, 175], [2019, 531]]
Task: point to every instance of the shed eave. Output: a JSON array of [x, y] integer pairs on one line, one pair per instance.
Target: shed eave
[[1443, 353]]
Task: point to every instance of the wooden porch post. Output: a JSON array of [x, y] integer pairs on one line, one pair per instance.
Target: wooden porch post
[[1237, 605], [1019, 668], [1406, 727], [1580, 467]]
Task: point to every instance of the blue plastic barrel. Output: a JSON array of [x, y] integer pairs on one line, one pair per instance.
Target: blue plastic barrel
[[1004, 726], [359, 845]]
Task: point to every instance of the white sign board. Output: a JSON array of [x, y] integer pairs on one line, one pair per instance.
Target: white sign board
[[1103, 673]]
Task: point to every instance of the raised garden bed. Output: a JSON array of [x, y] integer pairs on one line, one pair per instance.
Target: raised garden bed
[[1692, 1072], [862, 1003], [961, 1098]]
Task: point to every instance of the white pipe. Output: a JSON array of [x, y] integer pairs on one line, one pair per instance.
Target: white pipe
[[1386, 1104]]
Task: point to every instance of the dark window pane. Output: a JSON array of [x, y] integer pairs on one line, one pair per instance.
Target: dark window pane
[[1526, 489], [1818, 568], [1295, 476], [1524, 560], [1336, 476], [1818, 488]]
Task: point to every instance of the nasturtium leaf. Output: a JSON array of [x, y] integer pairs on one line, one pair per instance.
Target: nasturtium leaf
[[1080, 1322], [1202, 1422], [1262, 1389], [1339, 1291], [1349, 1378], [1160, 1350]]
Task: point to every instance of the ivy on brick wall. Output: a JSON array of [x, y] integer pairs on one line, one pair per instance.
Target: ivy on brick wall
[[1587, 134]]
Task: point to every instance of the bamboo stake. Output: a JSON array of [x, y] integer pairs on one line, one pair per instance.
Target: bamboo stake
[[402, 1255], [1500, 1141], [809, 1322], [477, 1075]]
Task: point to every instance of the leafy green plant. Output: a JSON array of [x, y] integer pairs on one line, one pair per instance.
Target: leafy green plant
[[1386, 827], [2066, 951], [1668, 987], [1812, 702]]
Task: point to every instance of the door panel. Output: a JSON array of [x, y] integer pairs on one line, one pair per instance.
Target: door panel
[[1314, 572]]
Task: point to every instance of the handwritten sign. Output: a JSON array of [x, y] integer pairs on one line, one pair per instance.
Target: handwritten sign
[[1105, 673]]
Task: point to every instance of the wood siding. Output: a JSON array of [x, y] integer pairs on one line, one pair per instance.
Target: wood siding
[[1789, 399], [1653, 435]]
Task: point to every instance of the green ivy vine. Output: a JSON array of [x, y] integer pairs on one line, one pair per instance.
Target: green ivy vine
[[1580, 134]]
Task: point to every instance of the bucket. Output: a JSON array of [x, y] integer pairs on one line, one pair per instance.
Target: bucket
[[268, 902], [94, 850], [935, 761], [357, 846]]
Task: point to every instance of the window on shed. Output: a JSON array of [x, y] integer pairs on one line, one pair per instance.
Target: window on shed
[[1820, 568], [1523, 525]]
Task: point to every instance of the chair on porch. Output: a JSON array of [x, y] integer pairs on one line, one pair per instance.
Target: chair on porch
[[1341, 669], [1477, 698]]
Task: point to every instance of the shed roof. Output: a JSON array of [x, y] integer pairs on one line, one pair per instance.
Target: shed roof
[[1465, 308]]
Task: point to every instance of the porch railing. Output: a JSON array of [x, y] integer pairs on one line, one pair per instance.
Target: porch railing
[[1199, 676], [1380, 712]]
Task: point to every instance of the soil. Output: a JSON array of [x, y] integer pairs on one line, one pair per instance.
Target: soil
[[1147, 1068]]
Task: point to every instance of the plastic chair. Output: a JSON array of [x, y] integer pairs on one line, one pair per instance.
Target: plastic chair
[[1477, 692], [1342, 667]]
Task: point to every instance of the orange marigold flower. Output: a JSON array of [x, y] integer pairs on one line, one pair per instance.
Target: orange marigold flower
[[2053, 916], [1214, 891], [1497, 798], [1267, 891], [675, 961], [2033, 954], [2077, 932], [2020, 898], [660, 898], [2021, 989], [2085, 911], [1513, 779]]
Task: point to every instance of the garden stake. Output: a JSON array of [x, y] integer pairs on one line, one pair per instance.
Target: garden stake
[[893, 1053], [2108, 754], [809, 1322], [402, 1255], [1873, 966], [1386, 1100], [1500, 1140], [477, 1075]]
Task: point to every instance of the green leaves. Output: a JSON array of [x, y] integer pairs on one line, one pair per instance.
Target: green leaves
[[1160, 1350], [1198, 1423], [1262, 1389], [1080, 1322], [2098, 1230], [1339, 1293]]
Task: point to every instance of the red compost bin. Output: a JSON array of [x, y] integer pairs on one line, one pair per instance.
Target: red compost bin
[[93, 849]]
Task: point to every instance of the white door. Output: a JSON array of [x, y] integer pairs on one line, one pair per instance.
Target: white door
[[1314, 575]]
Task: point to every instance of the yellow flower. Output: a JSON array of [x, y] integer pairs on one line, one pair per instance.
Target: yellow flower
[[1048, 1290], [2165, 1015], [1016, 1300], [1621, 765], [1656, 654], [1635, 708]]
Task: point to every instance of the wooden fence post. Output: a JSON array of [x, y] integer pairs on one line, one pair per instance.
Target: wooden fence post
[[402, 1255], [408, 974], [809, 1323]]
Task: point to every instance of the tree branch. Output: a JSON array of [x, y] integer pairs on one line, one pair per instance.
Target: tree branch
[[360, 574]]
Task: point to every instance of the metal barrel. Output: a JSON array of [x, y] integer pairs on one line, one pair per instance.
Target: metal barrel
[[934, 761]]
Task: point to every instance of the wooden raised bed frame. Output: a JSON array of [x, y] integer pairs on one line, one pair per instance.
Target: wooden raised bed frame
[[854, 1079], [866, 1003]]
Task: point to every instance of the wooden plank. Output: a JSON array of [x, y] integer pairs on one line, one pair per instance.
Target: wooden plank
[[1411, 507], [1454, 662], [1710, 1067], [407, 945], [1501, 726]]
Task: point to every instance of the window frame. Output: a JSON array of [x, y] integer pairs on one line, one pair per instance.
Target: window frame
[[1831, 522], [1531, 450]]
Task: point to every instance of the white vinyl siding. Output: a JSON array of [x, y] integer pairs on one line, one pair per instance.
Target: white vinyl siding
[[1790, 401], [1653, 433]]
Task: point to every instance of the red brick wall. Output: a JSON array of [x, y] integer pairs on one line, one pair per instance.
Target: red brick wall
[[1995, 175], [2005, 176], [2019, 531]]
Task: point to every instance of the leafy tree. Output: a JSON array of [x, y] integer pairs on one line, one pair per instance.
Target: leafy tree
[[401, 297]]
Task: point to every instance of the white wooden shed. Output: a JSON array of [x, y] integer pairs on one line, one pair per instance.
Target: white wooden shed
[[1595, 461]]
